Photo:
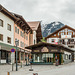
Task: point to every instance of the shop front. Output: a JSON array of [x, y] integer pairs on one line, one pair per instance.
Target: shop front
[[46, 53], [46, 58], [5, 54]]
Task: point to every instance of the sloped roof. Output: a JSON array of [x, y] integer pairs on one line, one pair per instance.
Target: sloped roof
[[34, 24], [21, 18], [66, 26], [49, 44], [6, 12]]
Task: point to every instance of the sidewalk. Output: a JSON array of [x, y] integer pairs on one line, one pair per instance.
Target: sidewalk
[[41, 69]]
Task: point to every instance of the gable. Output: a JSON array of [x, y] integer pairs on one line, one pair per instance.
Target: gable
[[62, 31]]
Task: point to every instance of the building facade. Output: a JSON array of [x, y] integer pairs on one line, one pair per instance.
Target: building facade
[[36, 34], [64, 36], [45, 53], [6, 35], [14, 27]]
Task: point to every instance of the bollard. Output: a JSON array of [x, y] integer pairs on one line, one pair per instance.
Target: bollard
[[31, 68], [8, 73], [35, 73], [12, 66], [21, 64]]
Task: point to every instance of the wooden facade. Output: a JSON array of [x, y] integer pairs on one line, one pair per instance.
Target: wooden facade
[[45, 53]]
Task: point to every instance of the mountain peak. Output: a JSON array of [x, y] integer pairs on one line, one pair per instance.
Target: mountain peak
[[51, 27]]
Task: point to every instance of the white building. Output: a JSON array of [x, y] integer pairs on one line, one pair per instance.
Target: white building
[[6, 35]]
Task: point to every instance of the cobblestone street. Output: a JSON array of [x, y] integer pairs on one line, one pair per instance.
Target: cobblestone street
[[67, 69]]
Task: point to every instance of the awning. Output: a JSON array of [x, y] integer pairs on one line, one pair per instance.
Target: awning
[[6, 47]]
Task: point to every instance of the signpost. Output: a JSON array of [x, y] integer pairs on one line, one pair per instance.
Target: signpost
[[12, 50]]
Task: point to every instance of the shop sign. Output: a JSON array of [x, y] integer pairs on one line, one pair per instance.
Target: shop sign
[[44, 49], [36, 50], [53, 50], [22, 50]]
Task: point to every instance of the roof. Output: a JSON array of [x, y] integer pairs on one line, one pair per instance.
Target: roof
[[34, 25], [66, 26], [20, 18], [6, 12], [50, 44]]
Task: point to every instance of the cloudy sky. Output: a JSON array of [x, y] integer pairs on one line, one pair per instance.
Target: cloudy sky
[[43, 10]]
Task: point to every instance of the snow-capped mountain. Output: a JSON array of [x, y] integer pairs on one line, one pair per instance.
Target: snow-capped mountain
[[47, 29]]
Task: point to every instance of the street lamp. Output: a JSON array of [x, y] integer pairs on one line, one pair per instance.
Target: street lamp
[[16, 42]]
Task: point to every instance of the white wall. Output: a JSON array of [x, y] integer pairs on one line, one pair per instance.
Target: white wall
[[64, 57], [3, 30], [34, 36], [49, 40]]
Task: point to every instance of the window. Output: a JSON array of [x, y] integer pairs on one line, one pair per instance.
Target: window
[[1, 23], [1, 37], [54, 34], [26, 37], [21, 33], [16, 29], [22, 44], [53, 40], [9, 40], [62, 33], [66, 56], [18, 41], [69, 57], [58, 34], [9, 27], [31, 32], [3, 54], [69, 33], [69, 30]]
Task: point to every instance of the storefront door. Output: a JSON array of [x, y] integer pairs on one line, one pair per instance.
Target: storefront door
[[8, 57], [58, 57]]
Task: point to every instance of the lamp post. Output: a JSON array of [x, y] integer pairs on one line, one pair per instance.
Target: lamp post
[[16, 42]]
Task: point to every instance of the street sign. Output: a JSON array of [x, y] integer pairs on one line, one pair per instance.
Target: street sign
[[12, 50]]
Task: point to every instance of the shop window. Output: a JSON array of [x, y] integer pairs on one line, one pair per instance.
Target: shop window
[[3, 55], [69, 57], [1, 37], [66, 56], [8, 40], [1, 23], [9, 27]]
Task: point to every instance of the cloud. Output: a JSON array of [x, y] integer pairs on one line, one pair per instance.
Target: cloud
[[45, 10]]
